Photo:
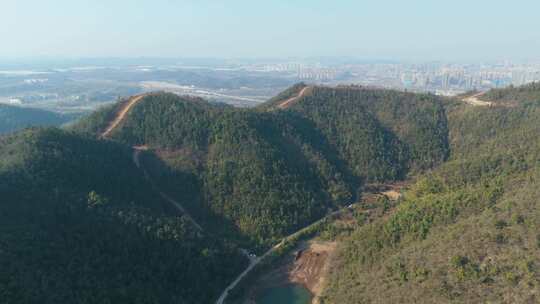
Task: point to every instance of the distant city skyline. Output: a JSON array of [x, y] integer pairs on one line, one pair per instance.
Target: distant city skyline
[[416, 30]]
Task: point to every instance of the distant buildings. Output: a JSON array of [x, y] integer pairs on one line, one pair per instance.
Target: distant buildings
[[439, 78], [316, 74]]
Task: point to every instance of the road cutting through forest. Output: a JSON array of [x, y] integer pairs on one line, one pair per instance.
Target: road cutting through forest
[[287, 103], [122, 114], [137, 150]]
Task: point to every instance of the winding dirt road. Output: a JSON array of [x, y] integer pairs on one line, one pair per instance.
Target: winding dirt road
[[120, 116], [256, 261], [391, 191], [252, 265], [287, 103]]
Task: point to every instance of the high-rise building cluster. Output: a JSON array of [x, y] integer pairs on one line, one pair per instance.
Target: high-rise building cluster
[[439, 78]]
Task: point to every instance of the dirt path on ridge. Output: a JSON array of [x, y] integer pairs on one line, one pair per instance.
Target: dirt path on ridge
[[122, 114], [473, 100], [288, 102]]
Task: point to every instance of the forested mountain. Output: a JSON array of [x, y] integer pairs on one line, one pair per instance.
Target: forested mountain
[[81, 225], [467, 232], [265, 173], [14, 118], [522, 94], [278, 99], [382, 134]]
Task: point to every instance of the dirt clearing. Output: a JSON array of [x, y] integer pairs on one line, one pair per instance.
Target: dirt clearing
[[311, 266]]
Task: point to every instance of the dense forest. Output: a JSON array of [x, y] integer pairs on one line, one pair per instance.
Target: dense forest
[[521, 94], [382, 134], [14, 118], [264, 173], [467, 232], [81, 225]]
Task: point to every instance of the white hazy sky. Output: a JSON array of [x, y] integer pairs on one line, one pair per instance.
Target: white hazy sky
[[399, 29]]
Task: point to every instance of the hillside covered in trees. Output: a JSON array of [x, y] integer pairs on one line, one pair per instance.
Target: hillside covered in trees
[[14, 118], [521, 94], [81, 225], [467, 232], [381, 134], [265, 173]]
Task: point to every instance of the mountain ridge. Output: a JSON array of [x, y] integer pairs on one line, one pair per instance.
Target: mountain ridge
[[294, 137], [14, 118], [253, 176]]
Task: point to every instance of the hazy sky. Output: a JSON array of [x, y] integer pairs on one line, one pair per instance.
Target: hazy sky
[[398, 29]]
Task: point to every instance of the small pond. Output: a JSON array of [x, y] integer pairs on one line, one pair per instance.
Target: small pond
[[285, 294]]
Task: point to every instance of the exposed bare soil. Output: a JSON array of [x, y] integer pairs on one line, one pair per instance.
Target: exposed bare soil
[[311, 267], [124, 109], [137, 150], [473, 100], [391, 190], [289, 102], [307, 265]]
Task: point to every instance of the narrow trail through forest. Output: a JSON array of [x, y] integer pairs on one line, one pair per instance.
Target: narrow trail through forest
[[137, 150]]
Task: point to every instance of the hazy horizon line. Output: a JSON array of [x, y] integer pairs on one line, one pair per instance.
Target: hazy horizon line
[[17, 60]]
